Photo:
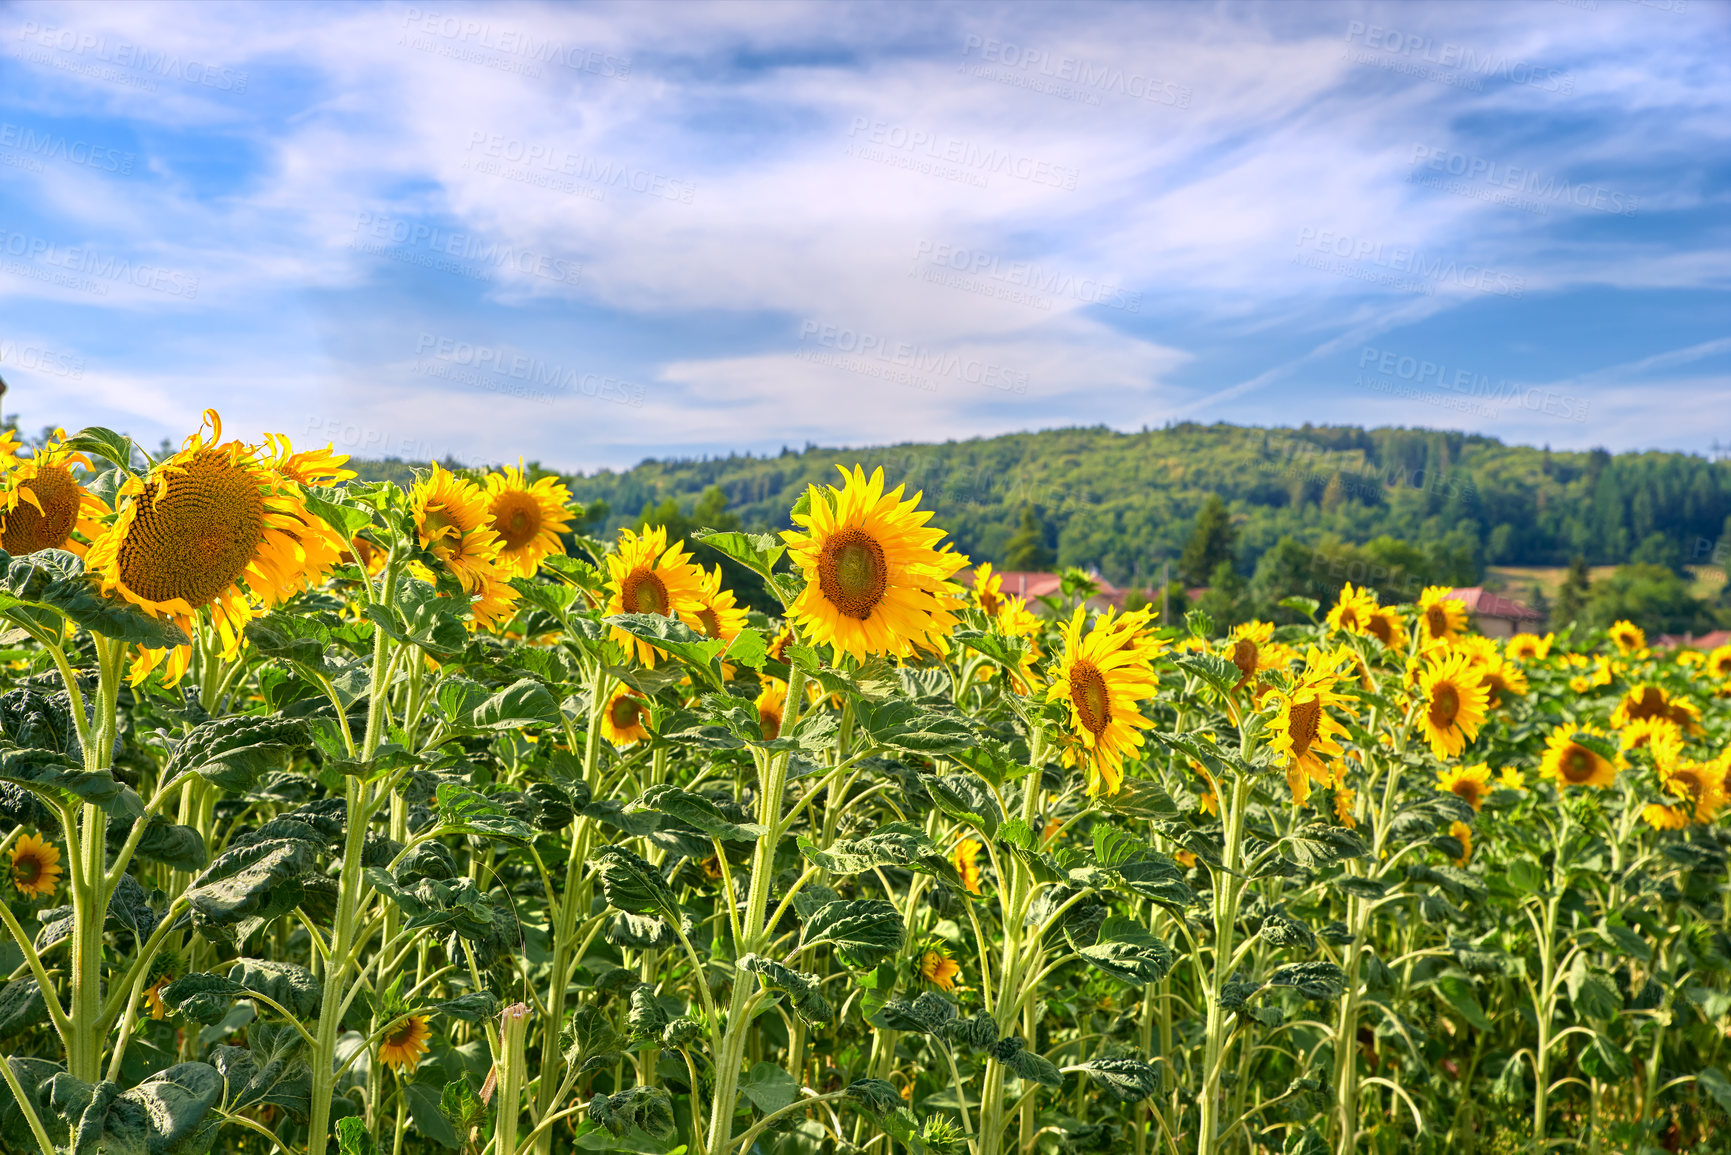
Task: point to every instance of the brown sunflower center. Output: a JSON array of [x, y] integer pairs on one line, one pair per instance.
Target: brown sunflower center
[[1088, 692], [517, 519], [1382, 627], [625, 712], [852, 573], [644, 593], [1468, 791], [1578, 764], [989, 602], [1691, 783], [769, 721], [193, 540], [27, 529], [1244, 654], [711, 623], [1445, 706], [26, 869], [1306, 718], [1349, 617], [1436, 619], [1649, 703], [404, 1034]]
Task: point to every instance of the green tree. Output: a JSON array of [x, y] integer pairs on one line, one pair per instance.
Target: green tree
[[1572, 594], [1651, 596], [1027, 549], [1212, 541], [1225, 600]]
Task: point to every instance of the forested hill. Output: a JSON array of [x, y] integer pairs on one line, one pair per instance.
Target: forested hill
[[1125, 502]]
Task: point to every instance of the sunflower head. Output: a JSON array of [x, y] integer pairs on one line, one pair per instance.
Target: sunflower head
[[714, 612], [937, 967], [35, 867], [1352, 613], [1699, 785], [42, 504], [1453, 697], [405, 1043], [1719, 662], [1529, 647], [1469, 783], [1502, 678], [771, 706], [1343, 800], [988, 592], [1569, 762], [528, 518], [1463, 834], [1101, 680], [876, 581], [646, 575], [966, 857], [1628, 637], [1442, 614], [1303, 734], [623, 718]]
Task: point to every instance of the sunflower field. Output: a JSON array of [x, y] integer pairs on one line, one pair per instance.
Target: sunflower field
[[335, 816]]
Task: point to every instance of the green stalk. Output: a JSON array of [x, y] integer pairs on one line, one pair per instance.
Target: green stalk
[[88, 852], [1227, 891], [514, 1031]]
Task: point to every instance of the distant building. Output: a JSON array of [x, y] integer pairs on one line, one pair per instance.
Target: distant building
[[1028, 585], [1495, 616], [1705, 642]]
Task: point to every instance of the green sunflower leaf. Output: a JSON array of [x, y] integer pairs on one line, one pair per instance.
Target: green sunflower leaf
[[696, 811], [863, 932], [1125, 1079]]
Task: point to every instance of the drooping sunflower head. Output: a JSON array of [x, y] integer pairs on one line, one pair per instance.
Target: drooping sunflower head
[[1628, 637], [1343, 801], [1352, 613], [216, 527], [937, 967], [1304, 734], [1530, 647], [1463, 834], [623, 718], [405, 1043], [528, 518], [1101, 681], [771, 704], [451, 520], [1453, 697], [1442, 614], [646, 575], [876, 583], [1659, 736], [36, 867], [1661, 817], [42, 504], [1699, 785], [152, 997], [1569, 762], [1250, 647], [966, 857], [988, 591], [1469, 783]]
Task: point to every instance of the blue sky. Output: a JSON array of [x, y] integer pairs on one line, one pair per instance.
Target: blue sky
[[587, 234]]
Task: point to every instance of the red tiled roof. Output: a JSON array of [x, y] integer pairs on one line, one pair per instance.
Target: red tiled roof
[[1710, 641], [1479, 600], [1029, 584]]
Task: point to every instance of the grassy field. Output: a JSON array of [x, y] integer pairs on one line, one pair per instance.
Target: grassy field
[[1518, 581]]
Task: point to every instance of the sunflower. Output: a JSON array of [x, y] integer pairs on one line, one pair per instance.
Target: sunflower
[[1699, 785], [405, 1043], [35, 867], [452, 522], [1569, 763], [648, 576], [528, 518], [42, 506], [778, 648], [1442, 614], [1453, 696], [876, 583], [1015, 620], [1303, 732], [496, 602], [1661, 737], [1628, 636], [1185, 859], [1719, 662], [1463, 834], [1661, 817], [1649, 701], [1510, 779], [988, 591], [1102, 681], [152, 996], [714, 613], [771, 702], [1602, 675], [622, 720], [1251, 649], [1469, 783], [966, 857], [1343, 800], [1501, 677], [1529, 647], [218, 527], [938, 968], [1351, 613]]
